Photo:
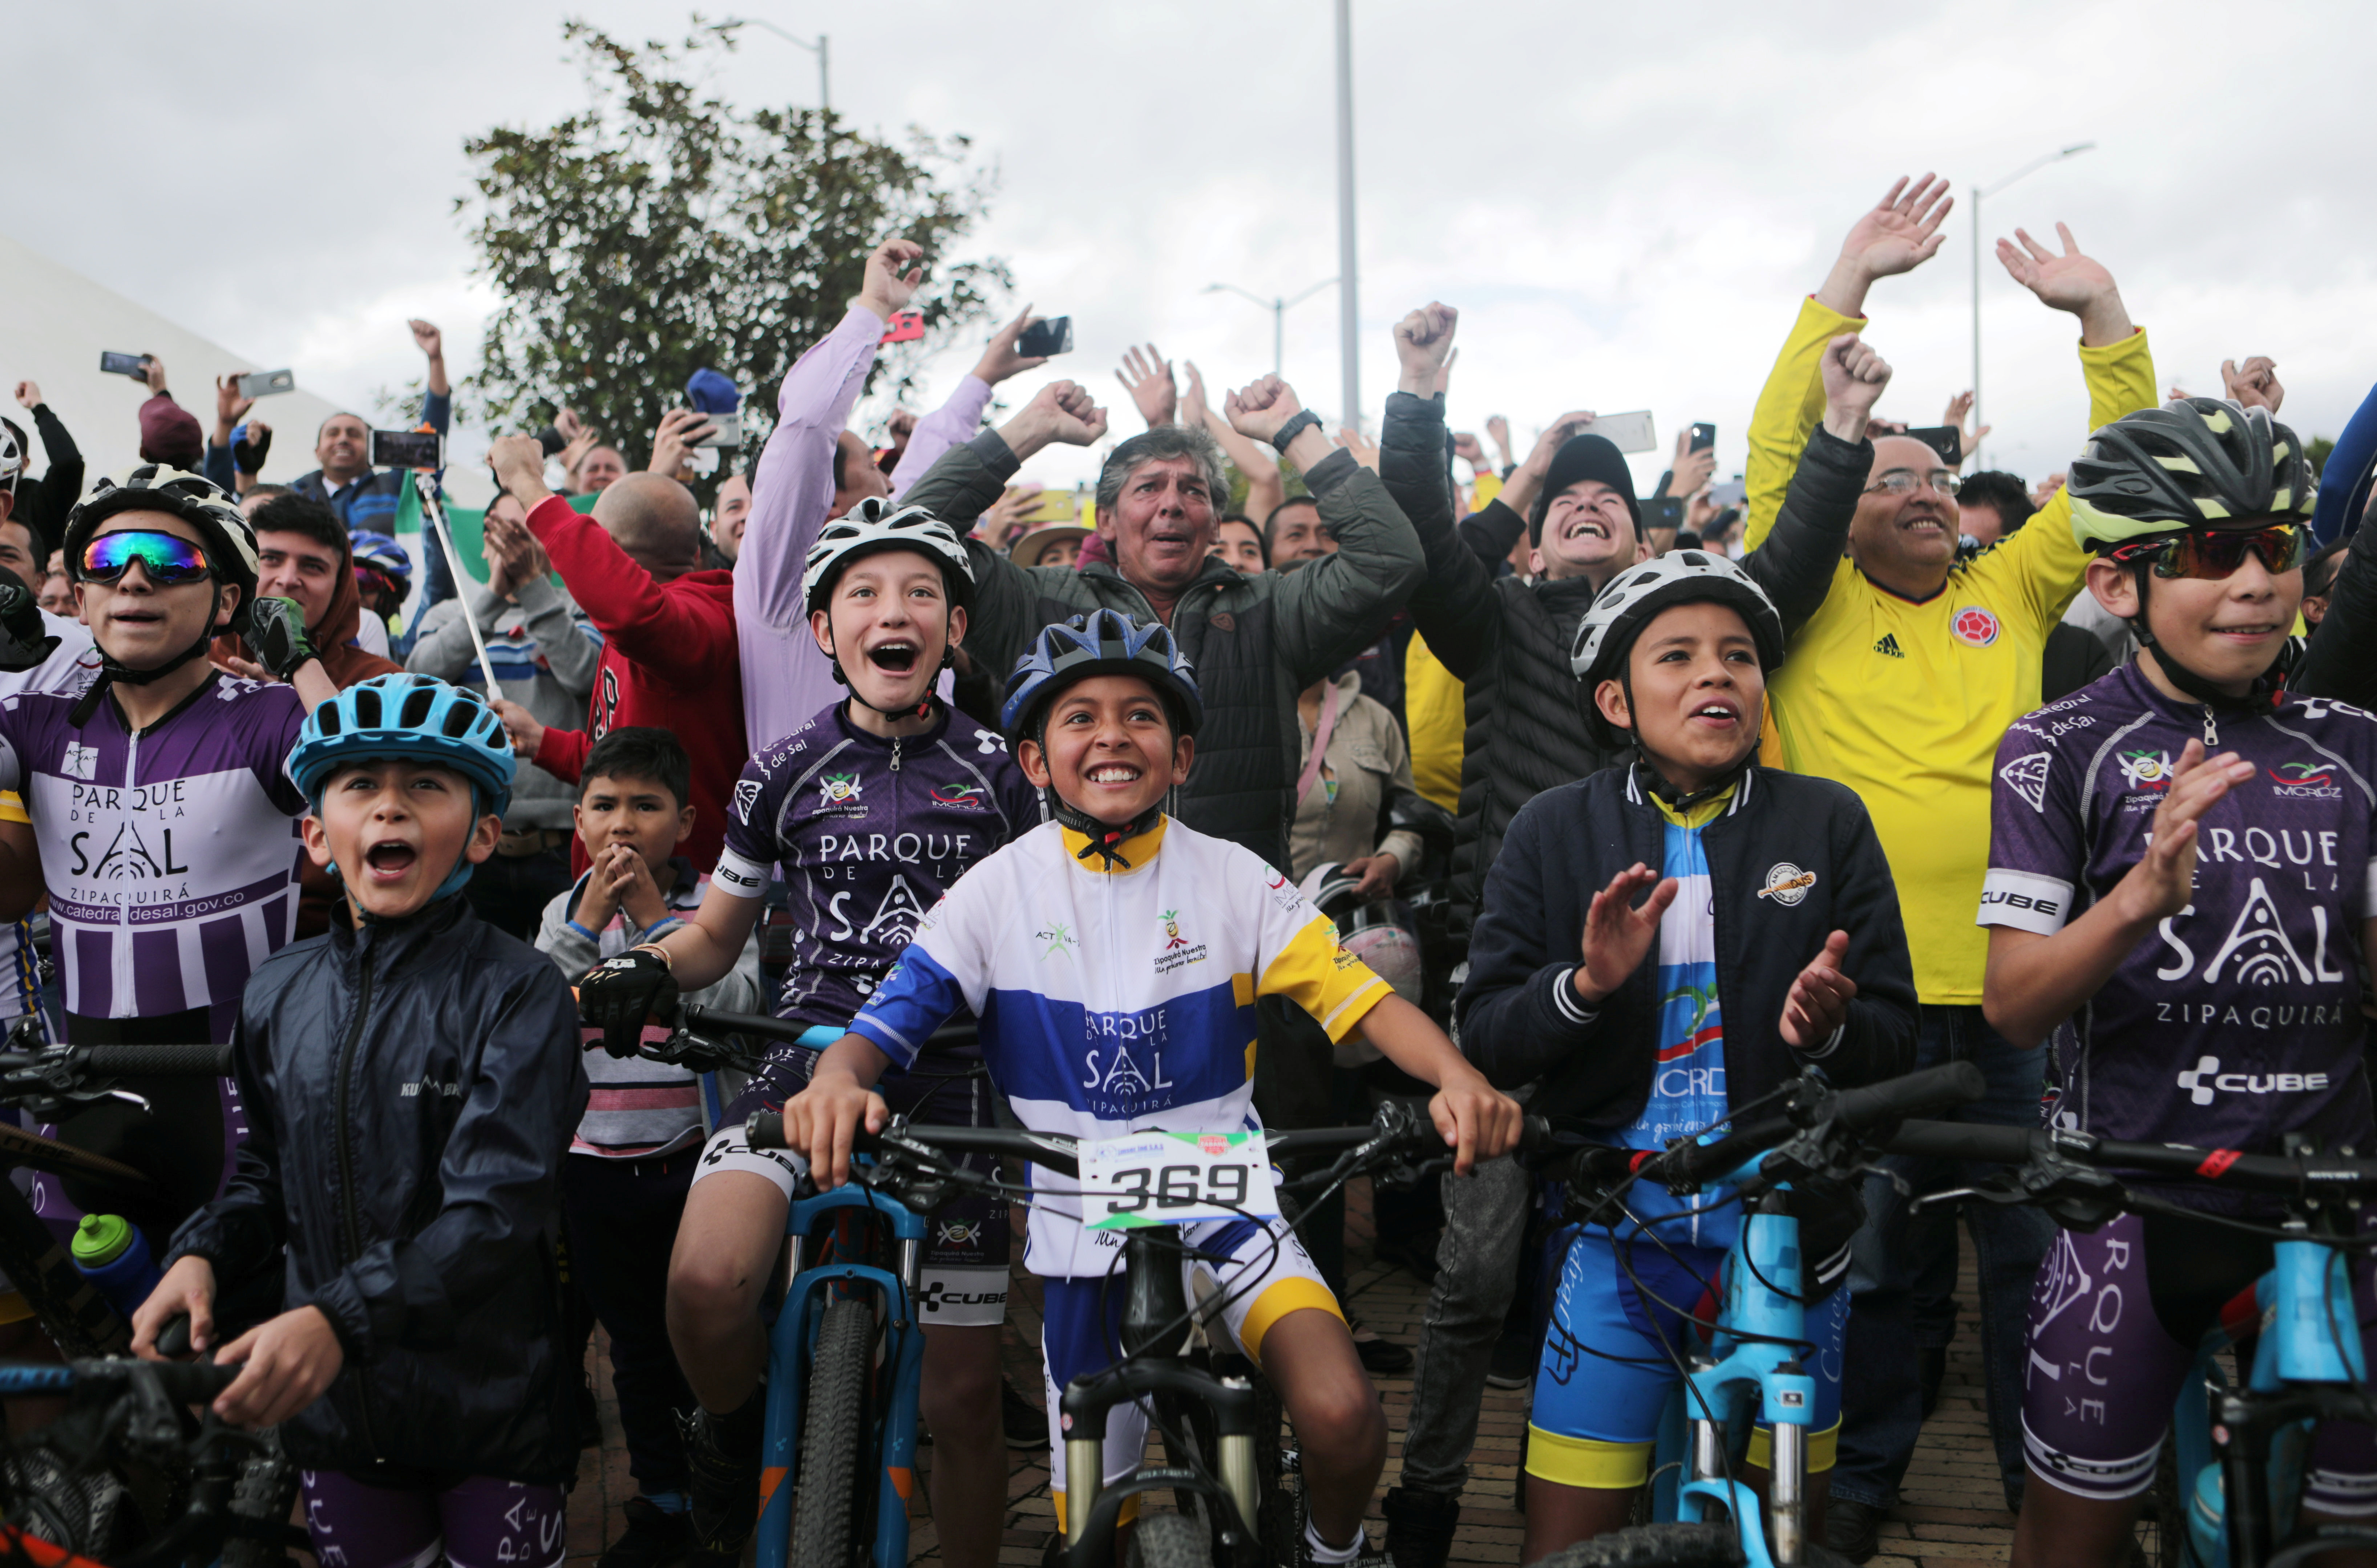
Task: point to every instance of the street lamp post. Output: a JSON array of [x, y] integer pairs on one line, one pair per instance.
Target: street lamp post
[[2033, 166], [825, 98], [1349, 299], [1277, 306]]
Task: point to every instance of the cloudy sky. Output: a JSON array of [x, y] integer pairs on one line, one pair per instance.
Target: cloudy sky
[[1626, 202]]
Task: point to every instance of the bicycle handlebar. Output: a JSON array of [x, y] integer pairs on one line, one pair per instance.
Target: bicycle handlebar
[[2286, 1174], [1917, 1094], [184, 1382], [159, 1060]]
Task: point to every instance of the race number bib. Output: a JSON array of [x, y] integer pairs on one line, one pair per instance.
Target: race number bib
[[1173, 1178]]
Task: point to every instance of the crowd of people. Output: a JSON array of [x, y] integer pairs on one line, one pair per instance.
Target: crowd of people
[[1297, 772]]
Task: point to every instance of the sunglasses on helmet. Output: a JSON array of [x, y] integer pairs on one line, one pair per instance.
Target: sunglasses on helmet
[[2214, 553], [166, 560]]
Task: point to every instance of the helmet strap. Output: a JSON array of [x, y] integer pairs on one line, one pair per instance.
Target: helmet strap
[[111, 672], [1105, 840], [1658, 783]]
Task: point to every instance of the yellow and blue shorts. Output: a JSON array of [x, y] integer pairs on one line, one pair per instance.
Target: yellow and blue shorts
[[1266, 1275], [1609, 1361]]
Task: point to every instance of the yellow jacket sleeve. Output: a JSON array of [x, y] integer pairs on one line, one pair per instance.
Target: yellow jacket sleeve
[[1488, 486], [1435, 714], [2043, 566], [1788, 407]]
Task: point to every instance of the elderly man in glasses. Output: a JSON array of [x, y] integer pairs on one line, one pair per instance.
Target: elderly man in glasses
[[1900, 687]]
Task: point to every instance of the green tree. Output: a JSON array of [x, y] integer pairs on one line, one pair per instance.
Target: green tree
[[2315, 453], [663, 229]]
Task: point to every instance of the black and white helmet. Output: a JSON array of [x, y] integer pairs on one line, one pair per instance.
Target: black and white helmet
[[1638, 593], [874, 526], [12, 456], [228, 536]]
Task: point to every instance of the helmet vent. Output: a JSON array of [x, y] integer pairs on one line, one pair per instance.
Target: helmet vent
[[368, 712], [415, 711]]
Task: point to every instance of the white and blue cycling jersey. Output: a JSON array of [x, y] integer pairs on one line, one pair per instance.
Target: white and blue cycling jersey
[[1116, 1001]]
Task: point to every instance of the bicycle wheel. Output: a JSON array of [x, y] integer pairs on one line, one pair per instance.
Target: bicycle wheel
[[1167, 1540], [1654, 1546], [266, 1493], [836, 1442]]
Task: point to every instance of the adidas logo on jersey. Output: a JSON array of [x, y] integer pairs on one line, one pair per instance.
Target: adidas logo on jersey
[[1888, 646]]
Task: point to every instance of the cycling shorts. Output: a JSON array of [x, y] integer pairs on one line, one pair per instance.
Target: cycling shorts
[[1608, 1364], [475, 1521], [2116, 1319], [1266, 1278], [967, 1245]]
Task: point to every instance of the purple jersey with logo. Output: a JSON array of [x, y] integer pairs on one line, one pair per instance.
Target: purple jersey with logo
[[171, 855], [870, 833], [2238, 1019]]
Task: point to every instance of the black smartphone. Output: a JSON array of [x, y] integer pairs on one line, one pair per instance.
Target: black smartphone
[[407, 450], [134, 366], [267, 383], [1944, 439], [1663, 512], [552, 440], [1704, 437], [1051, 336]]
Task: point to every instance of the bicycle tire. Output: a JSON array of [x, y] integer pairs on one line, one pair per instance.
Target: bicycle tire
[[1653, 1546], [265, 1494], [837, 1450], [1167, 1540]]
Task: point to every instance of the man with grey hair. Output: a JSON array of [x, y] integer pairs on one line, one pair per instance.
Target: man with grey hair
[[1256, 641]]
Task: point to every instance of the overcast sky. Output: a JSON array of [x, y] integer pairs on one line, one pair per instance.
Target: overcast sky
[[1626, 202]]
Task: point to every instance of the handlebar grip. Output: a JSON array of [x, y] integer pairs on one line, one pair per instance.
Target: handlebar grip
[[1534, 1135], [173, 1338], [195, 1382], [1962, 1140], [699, 1017], [764, 1129], [1916, 1094], [159, 1060]]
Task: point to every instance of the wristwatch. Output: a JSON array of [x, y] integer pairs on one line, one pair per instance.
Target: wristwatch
[[1303, 420]]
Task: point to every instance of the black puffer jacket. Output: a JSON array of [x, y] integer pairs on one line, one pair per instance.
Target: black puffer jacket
[[1256, 641], [1518, 1025], [1507, 641], [411, 1090]]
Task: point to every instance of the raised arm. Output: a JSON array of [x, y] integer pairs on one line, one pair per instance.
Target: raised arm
[[1453, 606], [957, 419], [1331, 608], [1803, 554], [1265, 488]]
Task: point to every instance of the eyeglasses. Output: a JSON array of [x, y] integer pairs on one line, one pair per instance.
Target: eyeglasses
[[2214, 553], [166, 560], [1905, 481]]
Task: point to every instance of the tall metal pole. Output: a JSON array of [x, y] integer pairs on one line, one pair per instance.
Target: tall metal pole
[[825, 95], [1349, 310], [1278, 335], [1974, 454]]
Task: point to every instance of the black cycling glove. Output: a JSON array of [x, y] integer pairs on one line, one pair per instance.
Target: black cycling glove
[[24, 642], [276, 632], [619, 994], [248, 453]]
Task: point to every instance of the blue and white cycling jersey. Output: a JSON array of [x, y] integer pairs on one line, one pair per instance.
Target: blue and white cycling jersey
[[1115, 1000]]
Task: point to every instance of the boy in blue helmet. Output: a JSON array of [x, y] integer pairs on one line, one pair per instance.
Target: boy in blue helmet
[[411, 1085], [1115, 957]]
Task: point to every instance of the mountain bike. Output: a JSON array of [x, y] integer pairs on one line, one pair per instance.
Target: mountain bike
[[2239, 1450], [1238, 1493], [1705, 1514], [101, 1507]]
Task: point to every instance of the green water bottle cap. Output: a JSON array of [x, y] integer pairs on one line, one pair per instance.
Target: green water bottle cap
[[100, 1239]]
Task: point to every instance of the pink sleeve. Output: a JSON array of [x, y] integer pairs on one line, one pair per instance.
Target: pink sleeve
[[947, 426]]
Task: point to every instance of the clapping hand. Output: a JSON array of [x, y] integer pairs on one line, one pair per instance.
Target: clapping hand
[[2163, 882], [512, 554], [2256, 385], [1818, 999], [1147, 376], [1617, 933]]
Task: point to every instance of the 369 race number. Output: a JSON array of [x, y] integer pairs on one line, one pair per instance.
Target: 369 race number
[[1171, 1177]]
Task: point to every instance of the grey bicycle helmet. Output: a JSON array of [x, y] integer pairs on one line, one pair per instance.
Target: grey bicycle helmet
[[2202, 463]]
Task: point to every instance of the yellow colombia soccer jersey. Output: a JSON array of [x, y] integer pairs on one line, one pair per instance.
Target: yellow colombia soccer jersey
[[1906, 703]]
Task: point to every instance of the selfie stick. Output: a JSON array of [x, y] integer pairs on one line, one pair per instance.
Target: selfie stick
[[425, 485]]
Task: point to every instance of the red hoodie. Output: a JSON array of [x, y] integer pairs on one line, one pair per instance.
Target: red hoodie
[[668, 660]]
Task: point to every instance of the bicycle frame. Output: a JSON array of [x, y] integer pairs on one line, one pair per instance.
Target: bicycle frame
[[1761, 1304], [2248, 1443], [790, 1342]]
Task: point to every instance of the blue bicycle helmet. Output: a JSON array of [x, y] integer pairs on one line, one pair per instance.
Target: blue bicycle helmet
[[382, 554], [409, 715], [1103, 642]]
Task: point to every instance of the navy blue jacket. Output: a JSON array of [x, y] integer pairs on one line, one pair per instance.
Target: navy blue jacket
[[411, 1091], [1566, 844]]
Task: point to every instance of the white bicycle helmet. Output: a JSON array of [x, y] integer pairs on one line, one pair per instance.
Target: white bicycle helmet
[[1635, 595], [874, 526]]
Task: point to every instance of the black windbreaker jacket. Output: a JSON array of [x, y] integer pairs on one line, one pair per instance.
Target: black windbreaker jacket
[[411, 1091], [1791, 861]]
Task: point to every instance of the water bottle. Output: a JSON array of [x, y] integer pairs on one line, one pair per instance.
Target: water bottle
[[110, 1251]]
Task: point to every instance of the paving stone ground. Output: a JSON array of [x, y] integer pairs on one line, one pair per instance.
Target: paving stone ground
[[1952, 1514]]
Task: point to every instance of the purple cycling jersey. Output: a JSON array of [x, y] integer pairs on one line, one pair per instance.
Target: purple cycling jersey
[[870, 833], [2238, 1019], [171, 855]]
